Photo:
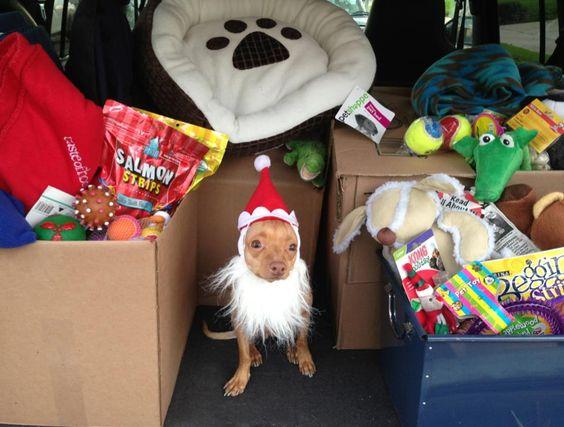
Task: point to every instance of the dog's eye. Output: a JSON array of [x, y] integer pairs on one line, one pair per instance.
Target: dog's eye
[[255, 244], [293, 247]]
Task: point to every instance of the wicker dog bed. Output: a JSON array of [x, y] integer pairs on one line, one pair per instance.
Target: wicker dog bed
[[185, 86]]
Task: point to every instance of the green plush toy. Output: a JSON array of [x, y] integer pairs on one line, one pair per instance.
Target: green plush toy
[[496, 159], [310, 157]]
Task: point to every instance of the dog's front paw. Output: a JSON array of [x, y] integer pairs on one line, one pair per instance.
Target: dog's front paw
[[302, 358], [256, 357], [236, 385], [306, 365]]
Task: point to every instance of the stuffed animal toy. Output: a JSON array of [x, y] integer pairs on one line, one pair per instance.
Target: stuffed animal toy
[[397, 212], [516, 203], [309, 156], [547, 231], [496, 158]]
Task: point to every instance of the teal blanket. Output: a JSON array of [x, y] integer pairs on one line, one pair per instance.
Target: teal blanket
[[484, 77]]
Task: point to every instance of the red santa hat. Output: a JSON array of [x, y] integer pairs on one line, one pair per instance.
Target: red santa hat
[[265, 204]]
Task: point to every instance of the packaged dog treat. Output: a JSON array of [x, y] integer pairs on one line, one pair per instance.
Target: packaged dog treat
[[149, 164], [215, 141], [537, 277]]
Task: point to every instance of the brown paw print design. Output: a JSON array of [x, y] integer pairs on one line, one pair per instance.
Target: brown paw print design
[[257, 48]]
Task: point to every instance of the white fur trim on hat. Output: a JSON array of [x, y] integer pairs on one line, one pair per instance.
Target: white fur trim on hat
[[246, 218], [261, 162]]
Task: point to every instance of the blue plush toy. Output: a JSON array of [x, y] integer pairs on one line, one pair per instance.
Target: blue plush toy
[[14, 229]]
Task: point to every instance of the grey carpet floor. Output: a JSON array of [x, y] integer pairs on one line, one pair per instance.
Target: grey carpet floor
[[347, 389]]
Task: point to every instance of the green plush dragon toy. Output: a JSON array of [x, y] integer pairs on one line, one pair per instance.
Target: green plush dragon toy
[[496, 159], [310, 157]]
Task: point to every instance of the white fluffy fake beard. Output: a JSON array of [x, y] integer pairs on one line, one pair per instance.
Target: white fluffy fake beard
[[261, 308]]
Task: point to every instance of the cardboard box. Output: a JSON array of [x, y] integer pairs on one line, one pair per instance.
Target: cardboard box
[[224, 196], [357, 282], [92, 333]]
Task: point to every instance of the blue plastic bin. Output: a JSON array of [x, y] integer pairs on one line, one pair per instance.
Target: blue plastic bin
[[454, 380]]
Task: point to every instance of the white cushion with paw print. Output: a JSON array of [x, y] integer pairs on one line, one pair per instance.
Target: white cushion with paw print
[[259, 68]]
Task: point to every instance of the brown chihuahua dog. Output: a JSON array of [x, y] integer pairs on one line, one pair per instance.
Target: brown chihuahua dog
[[270, 294]]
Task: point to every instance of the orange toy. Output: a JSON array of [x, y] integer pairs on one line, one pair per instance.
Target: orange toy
[[124, 227]]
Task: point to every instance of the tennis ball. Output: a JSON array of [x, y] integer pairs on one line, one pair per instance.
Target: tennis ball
[[486, 122], [424, 136], [455, 128]]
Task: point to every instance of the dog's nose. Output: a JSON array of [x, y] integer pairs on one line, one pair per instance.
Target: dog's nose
[[277, 268]]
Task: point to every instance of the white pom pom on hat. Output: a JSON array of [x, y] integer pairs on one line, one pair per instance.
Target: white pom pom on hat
[[261, 162]]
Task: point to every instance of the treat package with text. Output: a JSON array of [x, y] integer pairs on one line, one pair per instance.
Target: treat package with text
[[150, 165], [536, 277], [363, 113], [215, 141]]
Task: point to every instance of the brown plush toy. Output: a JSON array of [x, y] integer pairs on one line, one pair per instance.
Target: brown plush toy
[[547, 231], [516, 203]]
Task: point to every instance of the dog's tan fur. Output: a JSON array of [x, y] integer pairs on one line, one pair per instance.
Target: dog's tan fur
[[270, 253]]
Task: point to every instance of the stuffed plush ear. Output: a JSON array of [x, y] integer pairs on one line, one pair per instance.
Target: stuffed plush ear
[[545, 201], [441, 182], [523, 136], [465, 147], [473, 237], [349, 229]]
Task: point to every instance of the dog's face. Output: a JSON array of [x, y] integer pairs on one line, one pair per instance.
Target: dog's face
[[271, 249]]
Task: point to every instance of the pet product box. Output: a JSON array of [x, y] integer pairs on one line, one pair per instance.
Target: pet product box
[[92, 333], [357, 281], [223, 196], [448, 380]]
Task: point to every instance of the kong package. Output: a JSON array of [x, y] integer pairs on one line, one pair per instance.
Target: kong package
[[150, 164]]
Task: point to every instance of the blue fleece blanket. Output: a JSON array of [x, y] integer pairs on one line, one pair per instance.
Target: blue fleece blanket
[[14, 229], [483, 77]]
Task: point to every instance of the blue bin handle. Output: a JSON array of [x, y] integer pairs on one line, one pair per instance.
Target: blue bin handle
[[400, 331]]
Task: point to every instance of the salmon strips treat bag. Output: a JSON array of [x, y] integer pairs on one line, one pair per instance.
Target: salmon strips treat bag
[[148, 164]]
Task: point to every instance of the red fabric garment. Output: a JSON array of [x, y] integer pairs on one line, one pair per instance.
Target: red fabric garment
[[49, 133]]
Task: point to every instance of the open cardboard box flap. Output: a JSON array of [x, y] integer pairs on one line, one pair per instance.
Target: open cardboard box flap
[[358, 157]]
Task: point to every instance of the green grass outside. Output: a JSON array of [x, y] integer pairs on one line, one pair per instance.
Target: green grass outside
[[530, 9], [519, 54]]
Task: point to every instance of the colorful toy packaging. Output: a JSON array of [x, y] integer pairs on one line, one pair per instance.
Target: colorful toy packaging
[[539, 116], [530, 318], [418, 262], [149, 164], [472, 293], [536, 277]]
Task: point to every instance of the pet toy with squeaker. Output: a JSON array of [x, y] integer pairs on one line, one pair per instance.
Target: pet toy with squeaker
[[472, 293], [496, 159], [434, 320], [95, 207]]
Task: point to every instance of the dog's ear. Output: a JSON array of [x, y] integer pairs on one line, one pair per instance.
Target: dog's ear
[[349, 229]]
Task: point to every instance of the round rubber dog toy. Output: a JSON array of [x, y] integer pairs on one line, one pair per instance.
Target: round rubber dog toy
[[424, 136], [454, 128], [486, 122], [123, 227], [95, 207], [60, 228]]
